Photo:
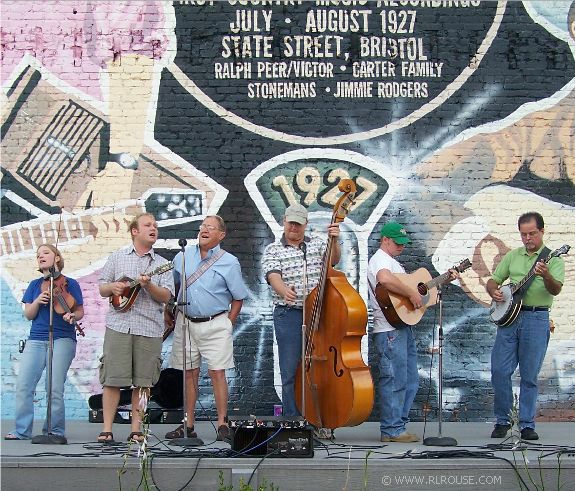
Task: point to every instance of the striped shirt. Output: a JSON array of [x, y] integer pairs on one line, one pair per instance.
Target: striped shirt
[[288, 261], [146, 316]]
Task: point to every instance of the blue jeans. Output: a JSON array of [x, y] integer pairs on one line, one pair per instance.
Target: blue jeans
[[523, 343], [287, 326], [34, 361], [398, 378]]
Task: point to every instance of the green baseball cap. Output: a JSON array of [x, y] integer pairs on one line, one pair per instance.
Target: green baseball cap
[[395, 232]]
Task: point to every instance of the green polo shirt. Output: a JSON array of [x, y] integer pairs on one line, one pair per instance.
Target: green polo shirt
[[517, 263]]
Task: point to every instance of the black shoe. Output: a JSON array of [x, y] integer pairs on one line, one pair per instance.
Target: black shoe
[[179, 433], [529, 434], [500, 431], [223, 434]]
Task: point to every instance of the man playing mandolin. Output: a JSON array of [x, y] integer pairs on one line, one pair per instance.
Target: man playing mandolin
[[524, 341], [133, 339]]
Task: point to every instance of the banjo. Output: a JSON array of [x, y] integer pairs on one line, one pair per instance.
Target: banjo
[[505, 312]]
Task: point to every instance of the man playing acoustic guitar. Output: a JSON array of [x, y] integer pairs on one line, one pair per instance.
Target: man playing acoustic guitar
[[395, 348], [133, 339], [524, 341]]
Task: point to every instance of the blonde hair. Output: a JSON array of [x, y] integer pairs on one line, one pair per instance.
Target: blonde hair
[[134, 223], [56, 252]]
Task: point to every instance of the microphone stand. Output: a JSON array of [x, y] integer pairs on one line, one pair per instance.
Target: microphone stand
[[440, 441], [185, 441], [303, 248], [50, 438]]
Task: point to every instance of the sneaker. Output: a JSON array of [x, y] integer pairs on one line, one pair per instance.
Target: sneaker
[[179, 433], [500, 431], [529, 434], [404, 437], [323, 433], [223, 434]]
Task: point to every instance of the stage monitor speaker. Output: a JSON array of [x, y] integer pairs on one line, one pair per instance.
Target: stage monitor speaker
[[271, 436]]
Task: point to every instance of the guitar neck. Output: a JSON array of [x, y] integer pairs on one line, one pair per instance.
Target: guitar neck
[[438, 280]]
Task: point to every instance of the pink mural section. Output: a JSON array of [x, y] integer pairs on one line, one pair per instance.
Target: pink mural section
[[75, 40]]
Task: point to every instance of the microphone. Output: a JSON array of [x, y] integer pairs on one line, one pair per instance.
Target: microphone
[[303, 248], [182, 243]]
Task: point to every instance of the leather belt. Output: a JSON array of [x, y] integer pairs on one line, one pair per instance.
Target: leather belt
[[529, 308], [205, 319]]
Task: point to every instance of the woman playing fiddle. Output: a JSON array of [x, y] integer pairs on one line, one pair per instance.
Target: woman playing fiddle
[[35, 356]]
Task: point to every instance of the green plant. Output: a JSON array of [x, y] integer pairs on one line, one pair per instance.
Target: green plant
[[143, 455], [223, 487], [243, 486], [365, 479], [519, 446]]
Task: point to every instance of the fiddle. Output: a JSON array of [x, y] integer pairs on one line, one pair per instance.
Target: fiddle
[[64, 301]]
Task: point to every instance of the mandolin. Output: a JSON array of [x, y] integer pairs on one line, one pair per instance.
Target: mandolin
[[124, 301]]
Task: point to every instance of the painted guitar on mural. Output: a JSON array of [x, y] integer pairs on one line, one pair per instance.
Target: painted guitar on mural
[[398, 310], [505, 312], [124, 302]]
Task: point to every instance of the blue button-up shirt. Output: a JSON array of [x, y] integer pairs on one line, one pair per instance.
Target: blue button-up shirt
[[212, 292]]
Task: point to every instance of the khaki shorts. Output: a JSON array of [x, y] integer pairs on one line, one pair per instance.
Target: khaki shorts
[[211, 340], [130, 360]]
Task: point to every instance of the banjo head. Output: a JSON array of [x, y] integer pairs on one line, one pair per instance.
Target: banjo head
[[499, 309]]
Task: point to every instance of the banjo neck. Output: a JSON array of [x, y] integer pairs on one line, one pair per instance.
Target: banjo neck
[[517, 286]]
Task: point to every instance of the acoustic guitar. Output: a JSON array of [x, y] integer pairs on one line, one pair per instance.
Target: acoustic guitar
[[505, 312], [124, 301], [398, 310]]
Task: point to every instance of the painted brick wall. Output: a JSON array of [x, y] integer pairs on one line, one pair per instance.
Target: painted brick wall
[[451, 117]]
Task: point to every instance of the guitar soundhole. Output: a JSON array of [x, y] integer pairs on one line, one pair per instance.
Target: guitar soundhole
[[422, 289]]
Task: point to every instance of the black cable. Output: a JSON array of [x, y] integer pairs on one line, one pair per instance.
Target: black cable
[[259, 463]]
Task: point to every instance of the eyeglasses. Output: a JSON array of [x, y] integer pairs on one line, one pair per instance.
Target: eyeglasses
[[209, 228]]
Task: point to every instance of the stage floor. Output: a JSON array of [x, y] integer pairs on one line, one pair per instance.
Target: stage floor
[[355, 459]]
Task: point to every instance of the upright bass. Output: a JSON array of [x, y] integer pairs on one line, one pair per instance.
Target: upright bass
[[337, 385]]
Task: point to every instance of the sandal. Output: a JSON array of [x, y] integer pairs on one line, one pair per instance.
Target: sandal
[[106, 437], [223, 434], [179, 433], [13, 436], [136, 437]]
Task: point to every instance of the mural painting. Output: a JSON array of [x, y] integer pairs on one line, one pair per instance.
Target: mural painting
[[452, 117]]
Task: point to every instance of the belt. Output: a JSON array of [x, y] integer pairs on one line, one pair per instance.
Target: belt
[[284, 306], [529, 308], [205, 319]]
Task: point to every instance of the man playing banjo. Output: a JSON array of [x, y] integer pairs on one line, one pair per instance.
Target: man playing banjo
[[524, 341]]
